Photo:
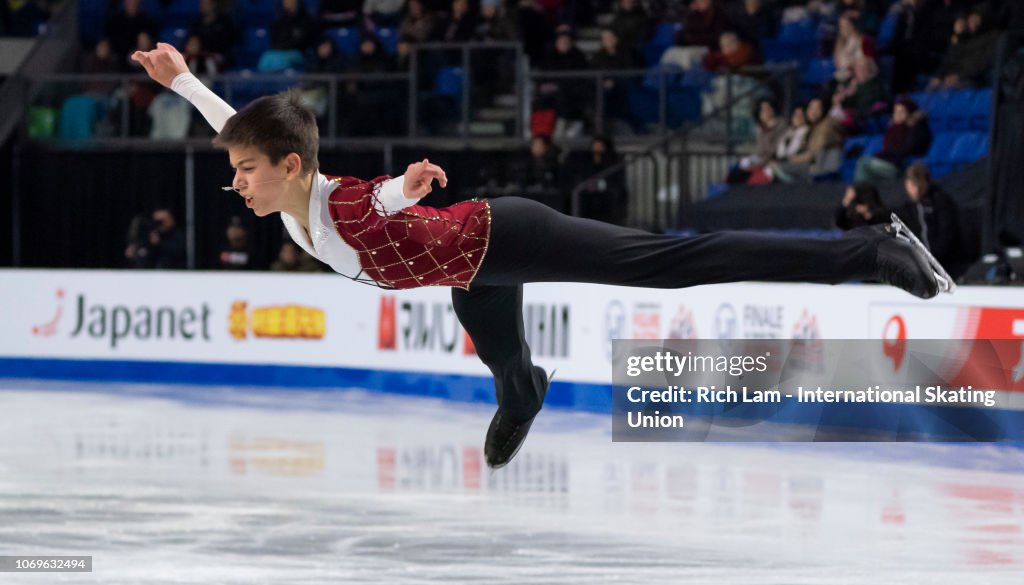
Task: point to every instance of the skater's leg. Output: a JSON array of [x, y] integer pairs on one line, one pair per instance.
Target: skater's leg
[[532, 243], [493, 318]]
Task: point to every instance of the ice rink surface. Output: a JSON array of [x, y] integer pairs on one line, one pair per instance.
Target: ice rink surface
[[189, 484]]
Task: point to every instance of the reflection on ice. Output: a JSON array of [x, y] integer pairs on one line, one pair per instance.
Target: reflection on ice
[[224, 486]]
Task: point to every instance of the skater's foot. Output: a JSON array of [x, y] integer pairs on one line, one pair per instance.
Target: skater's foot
[[905, 262], [507, 433]]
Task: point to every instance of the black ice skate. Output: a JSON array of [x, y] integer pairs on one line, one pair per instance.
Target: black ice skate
[[905, 262], [506, 434]]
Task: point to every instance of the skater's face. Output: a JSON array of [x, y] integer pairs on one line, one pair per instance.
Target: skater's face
[[263, 185]]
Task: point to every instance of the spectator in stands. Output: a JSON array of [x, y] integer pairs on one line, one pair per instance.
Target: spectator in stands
[[920, 39], [494, 23], [535, 31], [703, 25], [930, 213], [325, 58], [770, 130], [861, 206], [371, 57], [545, 168], [613, 56], [340, 13], [293, 29], [123, 28], [908, 135], [140, 94], [138, 251], [863, 96], [215, 29], [794, 139], [199, 61], [732, 55], [417, 24], [604, 199], [631, 24], [459, 25], [99, 61], [403, 53], [852, 47], [383, 13], [568, 97], [754, 21], [371, 102], [867, 13], [168, 245], [970, 55], [293, 259], [823, 153], [235, 253]]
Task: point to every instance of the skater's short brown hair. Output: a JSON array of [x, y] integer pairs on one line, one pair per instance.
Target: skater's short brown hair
[[277, 126]]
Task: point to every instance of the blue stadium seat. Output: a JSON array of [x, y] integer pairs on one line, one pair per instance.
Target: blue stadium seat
[[388, 38], [799, 31], [663, 38], [819, 71], [255, 13], [958, 110], [448, 82], [981, 110], [887, 30], [938, 158], [969, 147], [346, 39], [174, 36], [180, 13], [254, 42]]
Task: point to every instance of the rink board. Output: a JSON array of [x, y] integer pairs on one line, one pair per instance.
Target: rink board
[[324, 332]]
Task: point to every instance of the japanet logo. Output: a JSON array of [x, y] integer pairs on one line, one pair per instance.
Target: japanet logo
[[276, 322]]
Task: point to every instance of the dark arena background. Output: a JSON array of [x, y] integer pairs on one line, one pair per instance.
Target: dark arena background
[[188, 397]]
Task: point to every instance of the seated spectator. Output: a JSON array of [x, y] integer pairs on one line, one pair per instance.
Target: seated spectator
[[970, 55], [701, 33], [604, 199], [754, 21], [417, 24], [198, 60], [614, 56], [733, 54], [545, 168], [371, 57], [770, 130], [383, 13], [235, 253], [215, 29], [335, 13], [861, 206], [459, 25], [863, 96], [291, 258], [852, 47], [908, 135], [293, 29], [794, 139], [866, 13], [100, 60], [567, 97], [631, 24], [823, 153], [930, 213], [123, 29], [494, 23], [325, 58], [140, 93]]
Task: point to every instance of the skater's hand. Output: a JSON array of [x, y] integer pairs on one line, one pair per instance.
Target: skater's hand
[[418, 179], [163, 64]]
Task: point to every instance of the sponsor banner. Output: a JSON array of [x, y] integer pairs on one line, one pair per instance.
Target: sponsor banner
[[324, 320]]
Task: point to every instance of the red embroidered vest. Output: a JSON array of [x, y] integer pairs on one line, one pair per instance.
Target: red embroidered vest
[[416, 246]]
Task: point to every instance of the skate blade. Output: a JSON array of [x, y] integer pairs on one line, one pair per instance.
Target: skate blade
[[944, 280]]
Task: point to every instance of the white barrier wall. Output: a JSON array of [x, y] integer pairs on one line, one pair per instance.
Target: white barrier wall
[[326, 320]]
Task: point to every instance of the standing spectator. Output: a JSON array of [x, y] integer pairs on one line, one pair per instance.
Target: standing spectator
[[861, 206], [124, 27], [930, 213], [631, 23], [293, 29], [851, 47], [907, 135], [215, 29], [567, 97], [603, 199], [612, 56], [417, 24], [754, 21], [235, 254]]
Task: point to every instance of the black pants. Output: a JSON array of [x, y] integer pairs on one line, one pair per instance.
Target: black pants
[[533, 243]]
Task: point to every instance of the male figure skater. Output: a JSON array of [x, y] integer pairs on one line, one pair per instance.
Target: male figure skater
[[373, 232]]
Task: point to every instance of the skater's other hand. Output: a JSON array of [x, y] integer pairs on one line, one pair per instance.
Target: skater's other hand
[[418, 179], [163, 63]]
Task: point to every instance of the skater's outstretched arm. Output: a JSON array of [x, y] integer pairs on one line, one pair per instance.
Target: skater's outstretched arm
[[167, 67]]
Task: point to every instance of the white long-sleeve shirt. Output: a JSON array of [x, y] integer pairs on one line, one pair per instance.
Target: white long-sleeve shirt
[[322, 240]]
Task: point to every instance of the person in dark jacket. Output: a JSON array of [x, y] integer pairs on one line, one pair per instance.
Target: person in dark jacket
[[861, 206], [930, 213], [293, 28], [908, 135]]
